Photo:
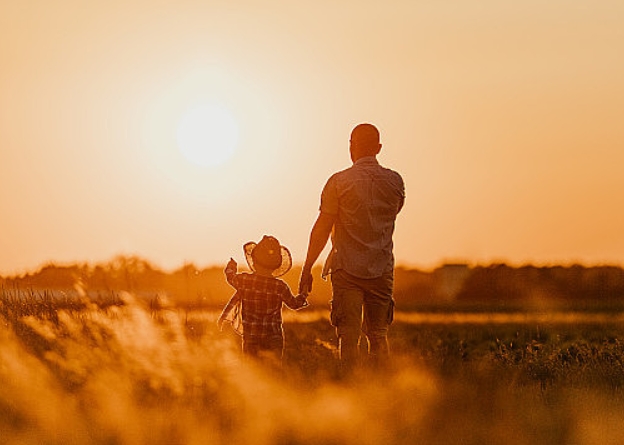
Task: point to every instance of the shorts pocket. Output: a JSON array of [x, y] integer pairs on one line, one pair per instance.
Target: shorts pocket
[[391, 311]]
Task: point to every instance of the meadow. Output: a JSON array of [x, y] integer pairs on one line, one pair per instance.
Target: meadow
[[126, 370]]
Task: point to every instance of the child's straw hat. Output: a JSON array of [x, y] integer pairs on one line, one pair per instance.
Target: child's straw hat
[[268, 253]]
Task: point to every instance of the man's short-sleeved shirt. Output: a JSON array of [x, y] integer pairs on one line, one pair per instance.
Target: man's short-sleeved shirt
[[365, 199]]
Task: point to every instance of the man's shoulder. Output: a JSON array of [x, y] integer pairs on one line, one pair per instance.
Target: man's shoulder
[[390, 173], [342, 172], [384, 170], [337, 177], [393, 173], [355, 171]]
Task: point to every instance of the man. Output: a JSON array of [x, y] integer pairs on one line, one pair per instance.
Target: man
[[358, 208]]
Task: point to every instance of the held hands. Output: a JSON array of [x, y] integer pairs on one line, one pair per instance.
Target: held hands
[[302, 301]]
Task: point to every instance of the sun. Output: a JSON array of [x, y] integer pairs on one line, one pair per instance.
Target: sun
[[207, 135]]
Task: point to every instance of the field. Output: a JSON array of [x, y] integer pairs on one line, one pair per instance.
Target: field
[[129, 371]]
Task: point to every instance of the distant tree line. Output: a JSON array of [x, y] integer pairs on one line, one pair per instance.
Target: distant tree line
[[187, 285], [501, 284], [453, 285]]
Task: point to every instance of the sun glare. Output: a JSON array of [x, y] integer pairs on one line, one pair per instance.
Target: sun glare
[[207, 135]]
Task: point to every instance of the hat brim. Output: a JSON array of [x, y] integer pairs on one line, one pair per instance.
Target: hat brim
[[285, 253]]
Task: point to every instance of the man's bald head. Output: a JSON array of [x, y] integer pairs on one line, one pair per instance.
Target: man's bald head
[[364, 141]]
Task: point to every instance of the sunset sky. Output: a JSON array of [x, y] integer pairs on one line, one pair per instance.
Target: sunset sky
[[504, 117]]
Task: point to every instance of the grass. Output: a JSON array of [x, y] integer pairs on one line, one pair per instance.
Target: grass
[[127, 371]]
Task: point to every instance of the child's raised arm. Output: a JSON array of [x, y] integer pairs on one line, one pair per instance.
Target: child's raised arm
[[230, 271]]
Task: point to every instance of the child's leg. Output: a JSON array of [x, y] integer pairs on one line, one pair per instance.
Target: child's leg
[[271, 350], [251, 347]]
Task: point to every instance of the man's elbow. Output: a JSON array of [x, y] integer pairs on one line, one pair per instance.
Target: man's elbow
[[324, 225]]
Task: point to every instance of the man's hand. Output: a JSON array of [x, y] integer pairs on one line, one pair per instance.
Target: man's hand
[[305, 281]]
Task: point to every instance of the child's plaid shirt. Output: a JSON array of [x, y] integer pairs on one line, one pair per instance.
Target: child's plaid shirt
[[261, 299]]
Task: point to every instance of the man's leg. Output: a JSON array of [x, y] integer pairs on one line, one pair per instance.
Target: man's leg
[[346, 317], [378, 314]]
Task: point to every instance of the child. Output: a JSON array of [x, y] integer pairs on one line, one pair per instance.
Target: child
[[259, 297]]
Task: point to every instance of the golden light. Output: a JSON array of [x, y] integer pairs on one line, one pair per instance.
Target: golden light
[[207, 135]]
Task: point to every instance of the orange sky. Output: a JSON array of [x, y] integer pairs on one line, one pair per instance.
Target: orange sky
[[504, 118]]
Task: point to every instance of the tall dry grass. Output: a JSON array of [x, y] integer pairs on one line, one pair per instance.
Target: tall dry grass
[[128, 374]]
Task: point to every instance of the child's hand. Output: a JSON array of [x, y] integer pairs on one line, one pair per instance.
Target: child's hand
[[231, 265], [303, 300]]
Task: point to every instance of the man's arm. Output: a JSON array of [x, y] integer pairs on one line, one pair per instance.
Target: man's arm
[[318, 239]]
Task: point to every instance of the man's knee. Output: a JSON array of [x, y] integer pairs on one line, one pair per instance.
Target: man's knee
[[349, 333], [378, 344]]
